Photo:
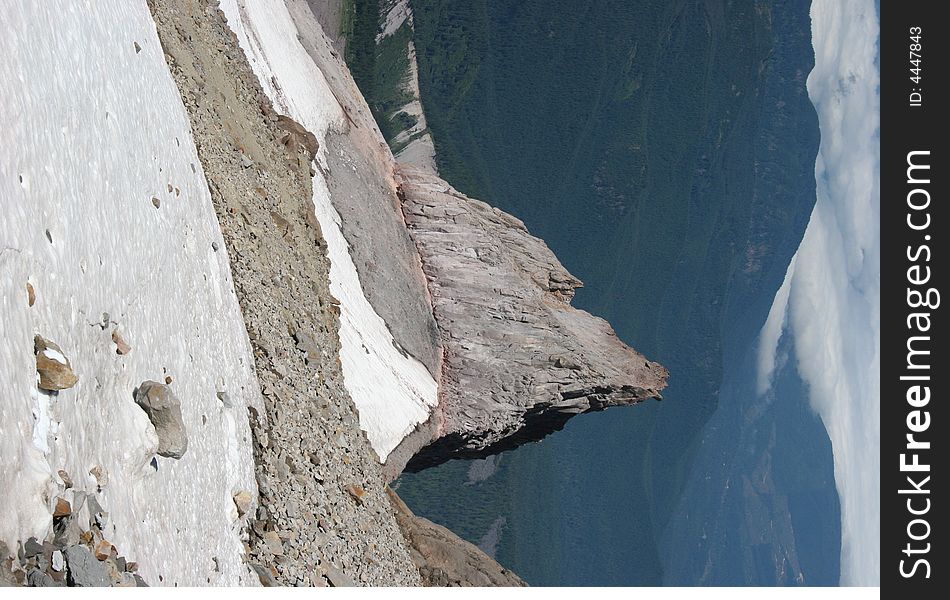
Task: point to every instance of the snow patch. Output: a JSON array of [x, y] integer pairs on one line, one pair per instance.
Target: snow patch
[[392, 392], [397, 14], [93, 130], [52, 354]]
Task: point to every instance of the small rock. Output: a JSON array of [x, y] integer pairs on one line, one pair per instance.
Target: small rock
[[168, 380], [164, 411], [67, 480], [242, 500], [306, 344], [566, 362], [31, 548], [93, 511], [57, 561], [37, 578], [42, 562], [121, 347], [56, 372], [214, 246], [336, 577], [31, 295], [139, 582], [267, 580], [66, 532], [63, 509], [356, 492], [246, 161], [84, 569], [101, 476], [169, 187], [156, 202], [273, 543], [115, 575], [58, 576], [103, 550], [137, 47], [297, 134]]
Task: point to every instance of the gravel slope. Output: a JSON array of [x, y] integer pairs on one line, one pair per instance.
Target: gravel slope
[[324, 517]]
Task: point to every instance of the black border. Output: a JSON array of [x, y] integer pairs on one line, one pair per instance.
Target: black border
[[906, 128]]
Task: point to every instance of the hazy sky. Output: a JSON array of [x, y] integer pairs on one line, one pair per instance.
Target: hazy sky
[[830, 300]]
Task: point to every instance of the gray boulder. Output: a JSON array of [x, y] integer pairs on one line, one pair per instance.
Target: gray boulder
[[84, 569], [37, 578], [164, 411]]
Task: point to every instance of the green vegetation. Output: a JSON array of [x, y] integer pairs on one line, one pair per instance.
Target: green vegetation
[[348, 19], [381, 70]]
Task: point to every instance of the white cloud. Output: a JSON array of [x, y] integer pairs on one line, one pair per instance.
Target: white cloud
[[772, 332], [830, 300]]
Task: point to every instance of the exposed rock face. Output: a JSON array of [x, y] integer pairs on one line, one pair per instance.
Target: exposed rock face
[[443, 558], [519, 359], [362, 191], [294, 134], [164, 411]]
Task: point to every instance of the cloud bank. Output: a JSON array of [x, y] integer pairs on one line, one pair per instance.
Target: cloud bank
[[830, 300]]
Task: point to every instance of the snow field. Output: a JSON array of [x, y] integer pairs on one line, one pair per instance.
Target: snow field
[[94, 130]]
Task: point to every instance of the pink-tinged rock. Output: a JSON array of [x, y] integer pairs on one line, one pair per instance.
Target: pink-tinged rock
[[121, 347]]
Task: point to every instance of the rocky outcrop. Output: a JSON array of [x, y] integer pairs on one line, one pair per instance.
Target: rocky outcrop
[[519, 359], [363, 192], [443, 558]]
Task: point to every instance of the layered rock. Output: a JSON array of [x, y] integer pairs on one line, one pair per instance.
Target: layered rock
[[519, 359]]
